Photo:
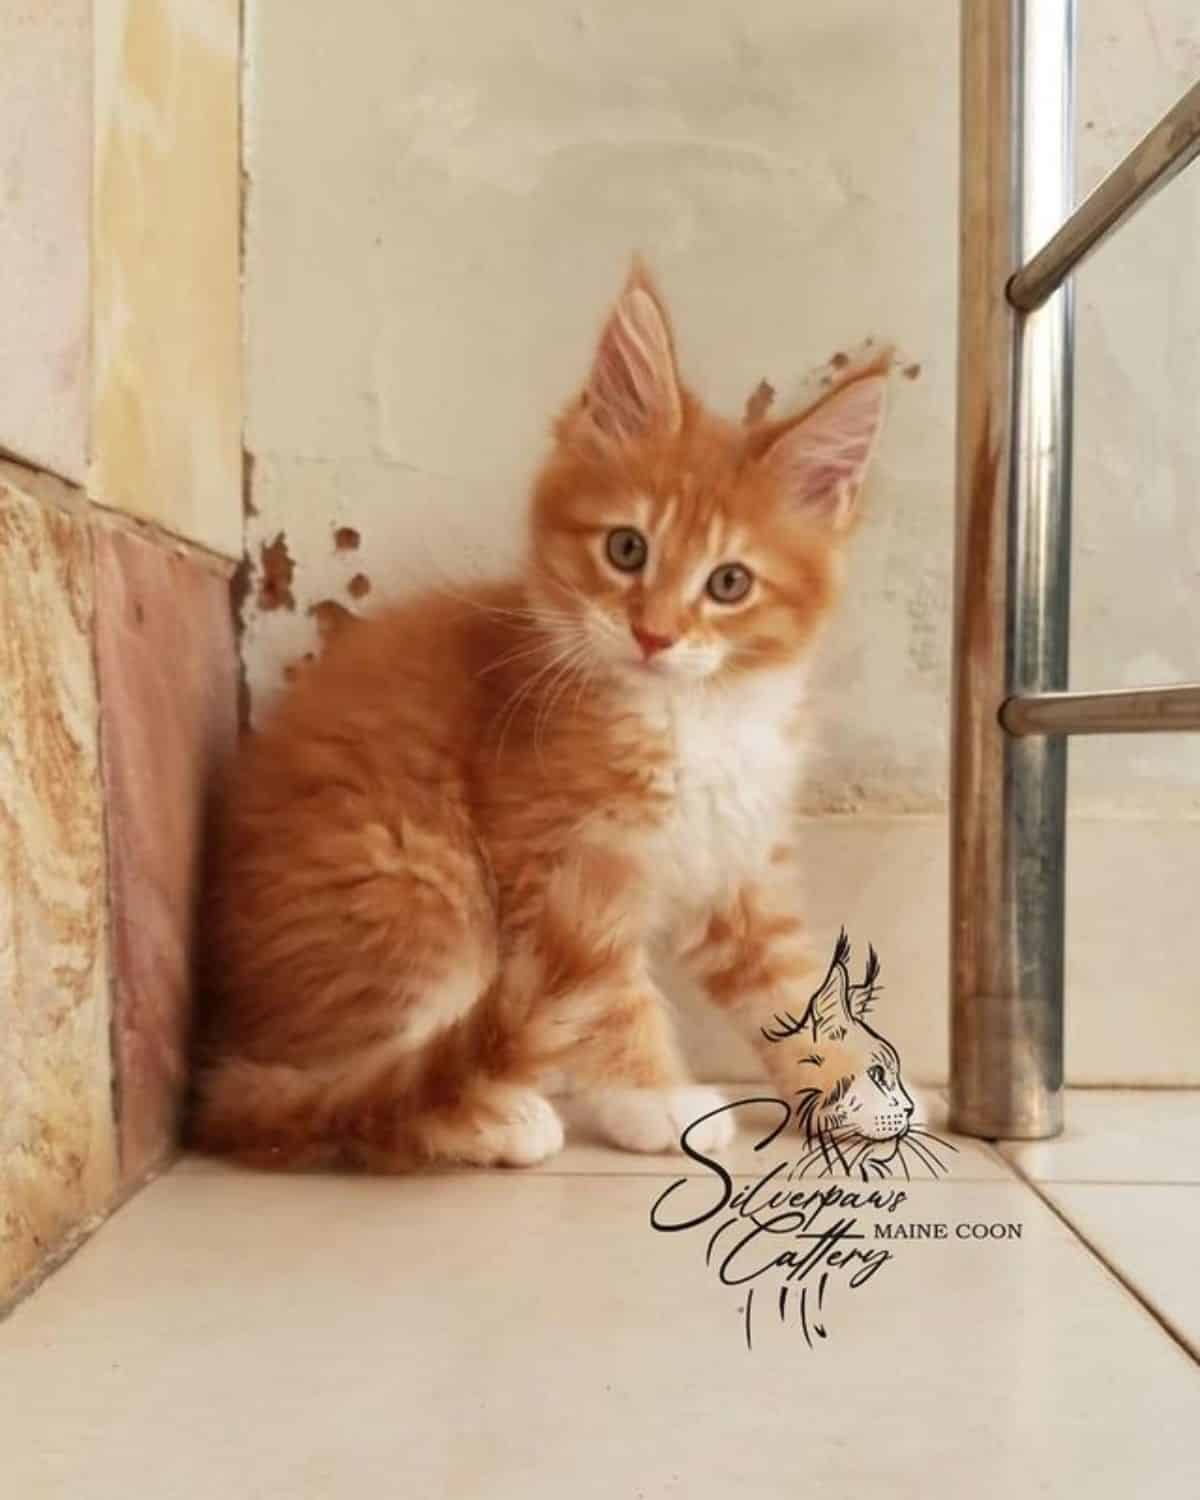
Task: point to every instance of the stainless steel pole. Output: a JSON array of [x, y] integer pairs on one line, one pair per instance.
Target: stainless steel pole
[[1012, 572]]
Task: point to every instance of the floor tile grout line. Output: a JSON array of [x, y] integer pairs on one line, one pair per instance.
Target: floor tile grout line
[[994, 1154], [1117, 1275], [677, 1168], [487, 1174], [1010, 1175], [749, 1176], [1163, 1182]]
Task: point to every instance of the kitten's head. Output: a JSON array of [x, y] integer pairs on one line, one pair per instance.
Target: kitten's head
[[846, 1076], [671, 545]]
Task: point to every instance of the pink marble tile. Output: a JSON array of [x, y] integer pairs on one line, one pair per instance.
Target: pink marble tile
[[168, 695], [57, 1156]]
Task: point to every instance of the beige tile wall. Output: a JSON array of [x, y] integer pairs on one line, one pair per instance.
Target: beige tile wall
[[45, 177], [120, 321], [167, 382]]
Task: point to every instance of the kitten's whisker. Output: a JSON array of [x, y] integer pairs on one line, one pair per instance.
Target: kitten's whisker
[[586, 677], [519, 697], [520, 653], [529, 613], [553, 691], [448, 577], [572, 593]]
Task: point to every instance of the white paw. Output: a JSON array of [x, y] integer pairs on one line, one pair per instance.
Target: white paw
[[654, 1119], [529, 1131]]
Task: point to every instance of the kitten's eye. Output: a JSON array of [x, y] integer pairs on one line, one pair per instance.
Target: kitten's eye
[[626, 549], [729, 583], [877, 1076]]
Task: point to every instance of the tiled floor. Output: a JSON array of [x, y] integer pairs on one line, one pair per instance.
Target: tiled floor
[[532, 1335]]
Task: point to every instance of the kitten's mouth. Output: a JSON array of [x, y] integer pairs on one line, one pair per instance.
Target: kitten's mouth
[[642, 667], [677, 670]]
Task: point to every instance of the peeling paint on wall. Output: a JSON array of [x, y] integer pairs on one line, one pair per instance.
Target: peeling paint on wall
[[331, 617], [758, 403], [275, 575]]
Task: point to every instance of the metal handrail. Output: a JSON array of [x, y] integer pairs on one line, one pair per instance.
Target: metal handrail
[[1012, 712], [1147, 710], [1172, 145]]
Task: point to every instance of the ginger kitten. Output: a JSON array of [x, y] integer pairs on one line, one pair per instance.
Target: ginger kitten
[[442, 866]]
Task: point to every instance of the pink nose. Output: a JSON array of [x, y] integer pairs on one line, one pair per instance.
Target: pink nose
[[649, 642]]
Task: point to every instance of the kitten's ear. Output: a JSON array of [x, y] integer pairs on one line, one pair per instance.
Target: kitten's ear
[[829, 1009], [634, 384], [821, 458]]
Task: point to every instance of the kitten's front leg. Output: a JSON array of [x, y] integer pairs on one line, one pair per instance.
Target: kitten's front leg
[[635, 1089], [751, 958], [597, 1016]]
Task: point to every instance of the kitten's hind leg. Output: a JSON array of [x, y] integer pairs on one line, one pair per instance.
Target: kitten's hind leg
[[491, 1124]]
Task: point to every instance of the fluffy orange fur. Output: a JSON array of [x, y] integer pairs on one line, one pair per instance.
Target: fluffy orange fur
[[443, 866]]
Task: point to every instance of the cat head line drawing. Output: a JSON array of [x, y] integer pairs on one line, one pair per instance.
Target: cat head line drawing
[[669, 546], [853, 1108]]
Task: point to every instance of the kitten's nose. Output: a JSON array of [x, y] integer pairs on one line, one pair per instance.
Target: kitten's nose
[[650, 643]]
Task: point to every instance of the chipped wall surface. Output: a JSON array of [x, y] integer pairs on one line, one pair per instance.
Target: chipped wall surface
[[45, 176], [57, 1148], [167, 377], [428, 259]]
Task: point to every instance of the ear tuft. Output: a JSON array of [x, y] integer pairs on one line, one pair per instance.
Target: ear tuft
[[821, 457], [634, 385]]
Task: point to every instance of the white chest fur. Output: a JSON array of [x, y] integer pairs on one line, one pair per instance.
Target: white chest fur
[[736, 767]]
